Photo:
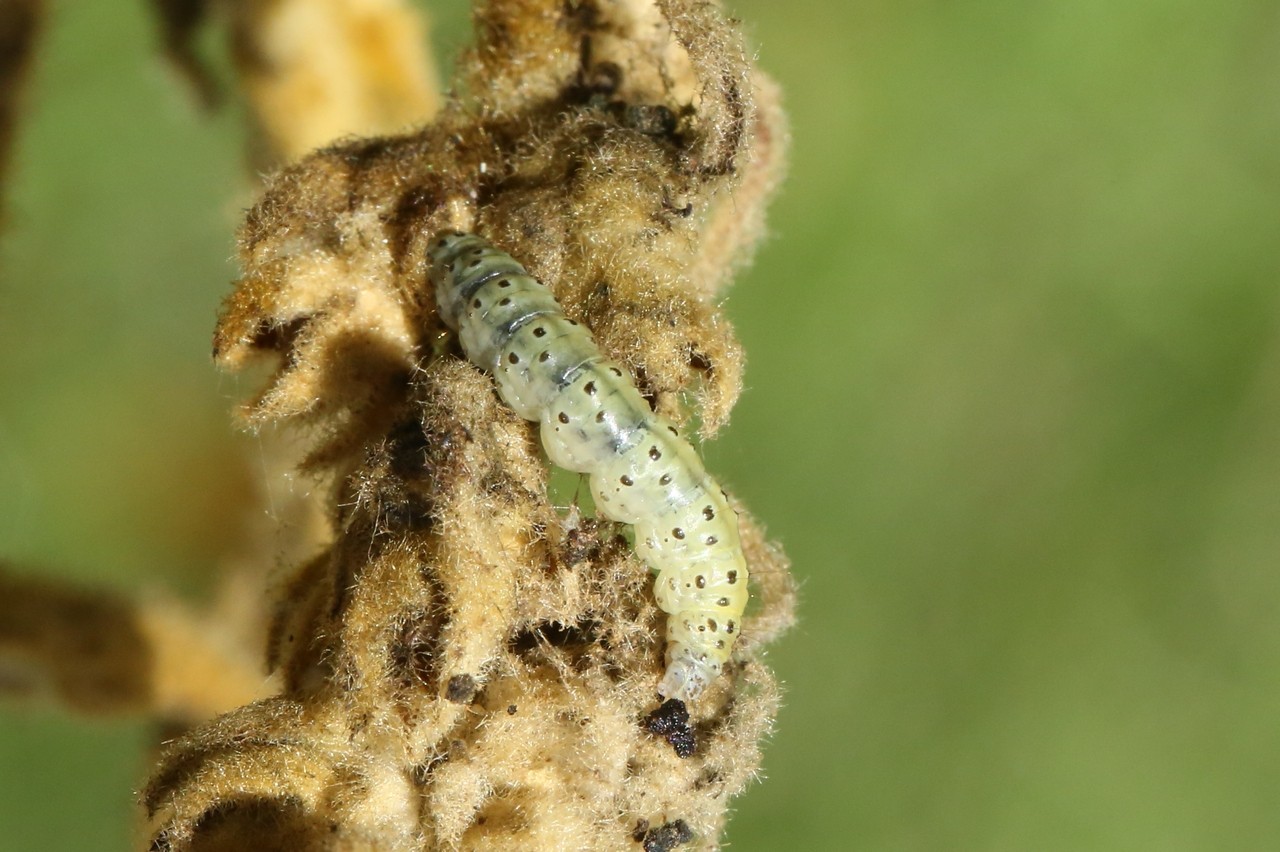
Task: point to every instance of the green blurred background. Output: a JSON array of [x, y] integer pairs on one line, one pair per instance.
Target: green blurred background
[[1013, 408]]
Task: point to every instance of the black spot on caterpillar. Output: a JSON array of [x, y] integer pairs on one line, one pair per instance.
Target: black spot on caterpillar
[[594, 421]]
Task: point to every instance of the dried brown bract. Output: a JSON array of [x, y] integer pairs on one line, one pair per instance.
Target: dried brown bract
[[99, 653], [469, 666], [313, 70]]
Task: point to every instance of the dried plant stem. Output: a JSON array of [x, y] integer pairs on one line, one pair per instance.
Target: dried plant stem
[[459, 662], [318, 70]]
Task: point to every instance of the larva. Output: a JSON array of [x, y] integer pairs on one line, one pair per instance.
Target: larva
[[594, 421]]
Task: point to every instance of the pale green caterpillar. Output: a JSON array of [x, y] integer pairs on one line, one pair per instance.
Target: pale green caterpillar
[[594, 421]]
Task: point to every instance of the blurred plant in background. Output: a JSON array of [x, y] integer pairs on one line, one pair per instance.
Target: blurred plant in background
[[1013, 405]]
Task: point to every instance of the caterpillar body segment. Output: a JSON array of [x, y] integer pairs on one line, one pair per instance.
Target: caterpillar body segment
[[594, 421]]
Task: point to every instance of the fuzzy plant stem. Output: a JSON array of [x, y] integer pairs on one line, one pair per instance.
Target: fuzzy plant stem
[[468, 663]]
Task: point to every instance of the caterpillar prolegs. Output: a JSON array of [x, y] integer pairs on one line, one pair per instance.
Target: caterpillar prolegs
[[594, 421]]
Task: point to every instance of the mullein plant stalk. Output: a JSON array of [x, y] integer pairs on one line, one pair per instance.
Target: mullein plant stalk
[[463, 663]]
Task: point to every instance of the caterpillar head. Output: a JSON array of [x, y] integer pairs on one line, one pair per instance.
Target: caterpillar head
[[446, 251]]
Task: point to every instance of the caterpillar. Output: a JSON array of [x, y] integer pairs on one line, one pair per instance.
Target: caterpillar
[[593, 420]]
